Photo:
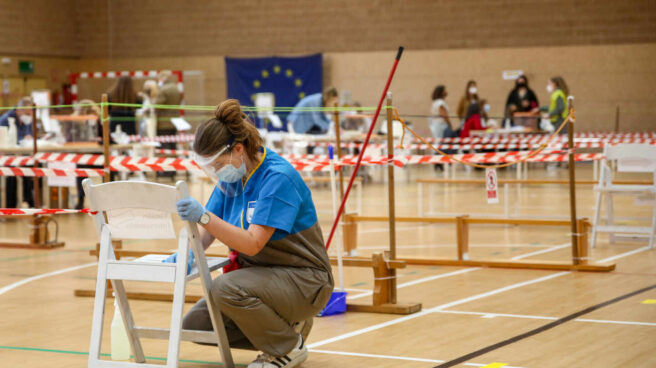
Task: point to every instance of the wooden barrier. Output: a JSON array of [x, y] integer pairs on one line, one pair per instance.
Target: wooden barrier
[[462, 235]]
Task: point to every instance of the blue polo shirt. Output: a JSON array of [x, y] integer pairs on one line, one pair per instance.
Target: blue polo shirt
[[275, 195]]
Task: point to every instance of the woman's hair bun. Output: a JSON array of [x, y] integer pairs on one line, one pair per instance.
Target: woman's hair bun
[[229, 112]]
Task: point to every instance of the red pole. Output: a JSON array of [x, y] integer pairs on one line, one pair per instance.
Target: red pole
[[364, 147]]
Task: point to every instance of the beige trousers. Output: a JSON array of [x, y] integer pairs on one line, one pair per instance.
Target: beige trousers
[[262, 305]]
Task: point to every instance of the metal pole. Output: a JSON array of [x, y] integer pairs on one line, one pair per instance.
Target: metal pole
[[37, 187], [390, 194], [104, 120], [572, 183]]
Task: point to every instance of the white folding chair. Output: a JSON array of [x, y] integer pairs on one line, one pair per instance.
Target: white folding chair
[[142, 210], [630, 158]]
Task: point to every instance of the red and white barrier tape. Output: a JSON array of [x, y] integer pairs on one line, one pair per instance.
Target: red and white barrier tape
[[39, 172], [178, 138], [42, 211], [300, 162]]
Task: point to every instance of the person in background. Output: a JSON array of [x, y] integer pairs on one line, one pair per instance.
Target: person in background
[[148, 126], [521, 98], [168, 94], [556, 112], [471, 96], [123, 116], [355, 120], [439, 123], [89, 108], [22, 116], [472, 120], [313, 122]]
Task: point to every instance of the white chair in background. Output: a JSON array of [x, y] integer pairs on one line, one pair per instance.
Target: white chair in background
[[636, 158], [141, 210]]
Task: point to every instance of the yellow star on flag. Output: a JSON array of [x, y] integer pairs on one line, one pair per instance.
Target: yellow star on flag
[[256, 83], [289, 73], [301, 95], [265, 74], [298, 82], [276, 69]]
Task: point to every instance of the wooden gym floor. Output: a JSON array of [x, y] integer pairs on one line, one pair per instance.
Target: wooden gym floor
[[464, 309]]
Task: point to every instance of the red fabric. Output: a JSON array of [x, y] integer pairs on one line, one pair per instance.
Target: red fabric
[[473, 123], [233, 262]]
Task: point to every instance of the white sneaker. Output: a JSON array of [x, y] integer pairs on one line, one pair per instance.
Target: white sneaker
[[295, 357]]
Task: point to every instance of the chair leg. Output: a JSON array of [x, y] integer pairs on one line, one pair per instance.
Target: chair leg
[[175, 329], [611, 217], [595, 221], [128, 321], [99, 300]]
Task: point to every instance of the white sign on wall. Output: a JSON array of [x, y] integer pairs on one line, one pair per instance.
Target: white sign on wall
[[511, 74]]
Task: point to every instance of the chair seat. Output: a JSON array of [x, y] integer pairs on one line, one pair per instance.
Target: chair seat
[[213, 263]]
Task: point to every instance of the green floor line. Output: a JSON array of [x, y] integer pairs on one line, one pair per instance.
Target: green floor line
[[358, 284], [72, 352]]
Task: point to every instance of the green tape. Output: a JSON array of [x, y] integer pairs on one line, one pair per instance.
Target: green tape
[[359, 284], [73, 352]]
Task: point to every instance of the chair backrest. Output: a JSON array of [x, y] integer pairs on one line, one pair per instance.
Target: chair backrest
[[135, 209], [632, 157]]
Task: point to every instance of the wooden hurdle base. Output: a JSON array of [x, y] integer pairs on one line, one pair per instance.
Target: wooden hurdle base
[[39, 238], [383, 296]]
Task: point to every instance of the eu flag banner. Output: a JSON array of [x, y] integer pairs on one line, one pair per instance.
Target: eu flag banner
[[288, 78]]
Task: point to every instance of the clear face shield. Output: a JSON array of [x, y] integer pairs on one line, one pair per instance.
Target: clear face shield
[[224, 176]]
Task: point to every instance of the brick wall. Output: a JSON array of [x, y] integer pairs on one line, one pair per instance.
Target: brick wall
[[38, 27], [127, 28]]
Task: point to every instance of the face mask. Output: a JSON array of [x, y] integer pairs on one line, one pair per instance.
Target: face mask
[[26, 119], [550, 88], [473, 90], [231, 174], [486, 108]]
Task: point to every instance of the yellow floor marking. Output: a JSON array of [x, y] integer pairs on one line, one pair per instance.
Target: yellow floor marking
[[649, 301], [496, 365]]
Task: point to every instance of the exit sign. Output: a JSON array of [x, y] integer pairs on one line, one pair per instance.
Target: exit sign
[[26, 66]]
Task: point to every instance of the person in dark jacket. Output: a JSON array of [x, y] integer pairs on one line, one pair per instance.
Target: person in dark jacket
[[521, 98]]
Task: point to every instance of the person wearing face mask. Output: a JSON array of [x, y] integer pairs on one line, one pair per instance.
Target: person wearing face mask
[[557, 110], [280, 275], [167, 94], [521, 98], [470, 96], [22, 116]]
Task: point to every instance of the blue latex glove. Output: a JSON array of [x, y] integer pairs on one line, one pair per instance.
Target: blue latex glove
[[190, 209], [173, 258]]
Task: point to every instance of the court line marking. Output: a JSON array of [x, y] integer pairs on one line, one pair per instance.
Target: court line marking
[[431, 310], [418, 281], [365, 355], [622, 255], [540, 329], [457, 302], [524, 316], [43, 275], [542, 251]]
